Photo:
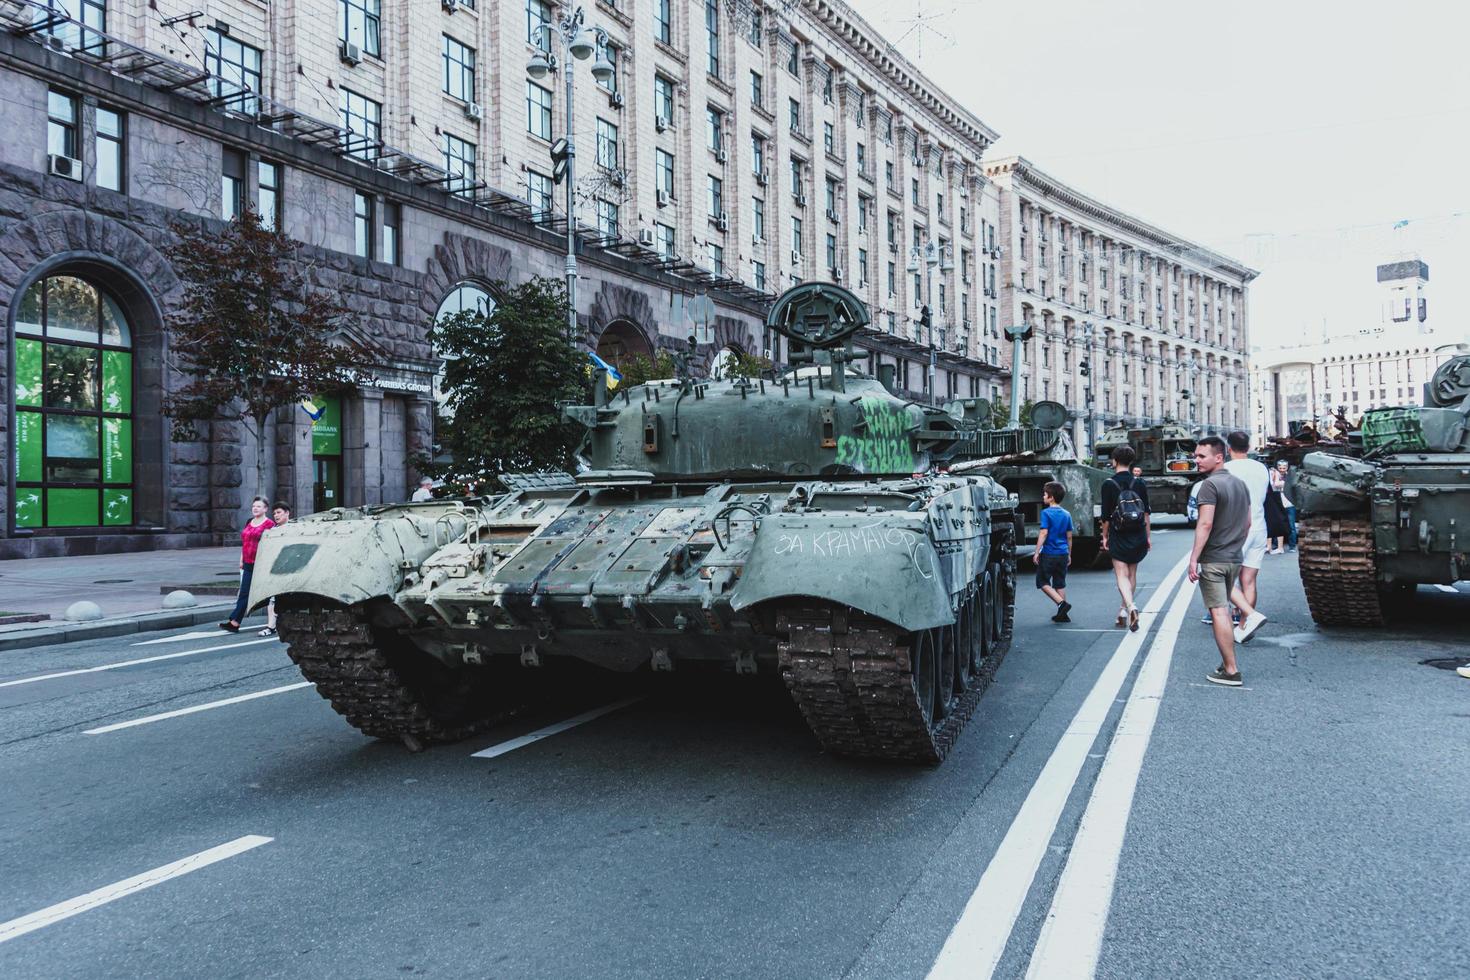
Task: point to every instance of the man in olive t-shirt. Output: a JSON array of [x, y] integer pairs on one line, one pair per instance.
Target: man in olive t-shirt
[[1219, 540]]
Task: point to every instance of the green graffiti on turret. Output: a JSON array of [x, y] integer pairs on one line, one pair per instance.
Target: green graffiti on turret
[[883, 445]]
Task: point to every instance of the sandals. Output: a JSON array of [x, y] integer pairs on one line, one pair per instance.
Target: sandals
[[1133, 619], [1122, 620]]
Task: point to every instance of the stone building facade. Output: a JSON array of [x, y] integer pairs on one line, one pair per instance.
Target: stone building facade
[[405, 150], [1161, 321]]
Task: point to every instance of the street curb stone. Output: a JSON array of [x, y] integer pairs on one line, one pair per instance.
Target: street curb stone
[[125, 626]]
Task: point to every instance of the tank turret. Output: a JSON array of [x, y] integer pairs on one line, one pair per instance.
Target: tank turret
[[794, 524]]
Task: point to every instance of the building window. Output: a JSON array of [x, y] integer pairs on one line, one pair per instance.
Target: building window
[[392, 233], [757, 26], [73, 395], [459, 163], [607, 145], [362, 225], [796, 235], [757, 154], [914, 190], [61, 125], [712, 36], [459, 70], [663, 20], [831, 197], [757, 89], [358, 23], [268, 200], [663, 100], [663, 172], [893, 279], [93, 16], [792, 58], [862, 267], [888, 174], [110, 143], [665, 236], [796, 168], [538, 111], [829, 139], [609, 51], [234, 70], [862, 158], [362, 118], [832, 252], [760, 274], [716, 197], [793, 110], [607, 219], [716, 258], [538, 194], [232, 185], [714, 128]]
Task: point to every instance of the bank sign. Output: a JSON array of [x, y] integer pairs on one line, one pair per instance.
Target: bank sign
[[326, 425]]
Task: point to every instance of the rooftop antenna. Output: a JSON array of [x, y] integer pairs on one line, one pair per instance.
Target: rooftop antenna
[[920, 23]]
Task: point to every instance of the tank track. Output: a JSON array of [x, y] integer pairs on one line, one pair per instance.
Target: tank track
[[1338, 568], [850, 677], [340, 654]]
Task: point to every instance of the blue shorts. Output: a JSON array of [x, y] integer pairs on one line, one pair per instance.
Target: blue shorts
[[1051, 570]]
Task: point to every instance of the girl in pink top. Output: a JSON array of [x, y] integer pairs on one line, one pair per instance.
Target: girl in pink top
[[258, 524]]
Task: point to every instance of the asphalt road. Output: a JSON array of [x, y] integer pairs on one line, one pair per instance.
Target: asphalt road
[[1312, 824]]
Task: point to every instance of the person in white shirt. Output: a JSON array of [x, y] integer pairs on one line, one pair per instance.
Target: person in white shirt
[[424, 492], [1253, 474]]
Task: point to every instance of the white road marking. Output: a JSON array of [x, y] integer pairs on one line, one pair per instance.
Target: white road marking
[[111, 893], [978, 939], [130, 663], [522, 741], [1071, 937], [1448, 588], [196, 635], [1080, 629], [150, 719]]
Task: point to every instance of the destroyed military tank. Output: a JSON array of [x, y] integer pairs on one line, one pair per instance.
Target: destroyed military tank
[[795, 523], [1166, 455], [1373, 528]]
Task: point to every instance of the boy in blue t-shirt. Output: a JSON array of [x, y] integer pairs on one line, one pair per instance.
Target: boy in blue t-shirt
[[1053, 552]]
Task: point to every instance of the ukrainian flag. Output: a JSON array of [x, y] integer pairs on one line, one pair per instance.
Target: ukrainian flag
[[613, 374]]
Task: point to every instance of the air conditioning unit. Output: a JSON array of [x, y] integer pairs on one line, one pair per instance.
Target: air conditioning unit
[[616, 99], [721, 156], [757, 240], [800, 199], [351, 53], [795, 257], [645, 237], [450, 6], [762, 178], [472, 110], [662, 198], [723, 222], [660, 123], [893, 247], [831, 215], [836, 275], [68, 167]]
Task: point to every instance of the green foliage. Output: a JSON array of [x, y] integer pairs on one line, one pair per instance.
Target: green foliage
[[747, 366], [506, 377], [1000, 413], [252, 335], [639, 368]]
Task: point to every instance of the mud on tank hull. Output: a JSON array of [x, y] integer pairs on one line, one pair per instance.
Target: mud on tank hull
[[885, 605]]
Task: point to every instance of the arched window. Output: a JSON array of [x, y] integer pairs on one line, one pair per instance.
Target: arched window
[[73, 393], [466, 296]]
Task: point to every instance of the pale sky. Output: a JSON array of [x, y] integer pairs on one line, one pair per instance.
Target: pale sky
[[1288, 134]]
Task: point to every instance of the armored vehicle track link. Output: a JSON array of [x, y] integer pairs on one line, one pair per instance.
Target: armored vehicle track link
[[869, 690], [1336, 557], [384, 695]]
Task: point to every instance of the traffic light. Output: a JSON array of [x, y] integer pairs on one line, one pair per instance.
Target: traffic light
[[1083, 368], [559, 156]]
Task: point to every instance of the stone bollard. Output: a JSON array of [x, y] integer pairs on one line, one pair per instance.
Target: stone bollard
[[83, 611], [180, 599]]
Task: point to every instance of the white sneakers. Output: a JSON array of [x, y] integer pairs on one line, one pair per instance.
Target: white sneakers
[[1247, 629], [1463, 671]]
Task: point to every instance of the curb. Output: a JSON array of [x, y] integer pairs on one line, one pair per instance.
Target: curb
[[123, 626]]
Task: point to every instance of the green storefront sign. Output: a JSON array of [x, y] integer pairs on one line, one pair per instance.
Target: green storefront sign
[[326, 430]]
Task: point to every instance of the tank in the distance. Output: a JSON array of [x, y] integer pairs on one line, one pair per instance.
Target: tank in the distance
[[797, 524], [1165, 454], [1375, 526]]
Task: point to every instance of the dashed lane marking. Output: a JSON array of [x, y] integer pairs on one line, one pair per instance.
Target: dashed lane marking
[[111, 893], [1071, 937], [530, 738], [130, 663], [979, 938], [196, 635], [179, 713], [1448, 588]]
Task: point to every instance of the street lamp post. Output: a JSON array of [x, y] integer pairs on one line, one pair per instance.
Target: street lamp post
[[1087, 331], [577, 43], [930, 256]]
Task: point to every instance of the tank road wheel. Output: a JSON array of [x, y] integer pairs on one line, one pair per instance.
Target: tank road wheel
[[1339, 571], [923, 664], [985, 616], [384, 686], [944, 669], [966, 636]]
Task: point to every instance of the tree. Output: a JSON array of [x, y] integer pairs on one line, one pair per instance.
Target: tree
[[506, 376], [747, 366], [1000, 413], [252, 335], [640, 368]]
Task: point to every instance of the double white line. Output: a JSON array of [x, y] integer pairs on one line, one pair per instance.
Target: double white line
[[1072, 936]]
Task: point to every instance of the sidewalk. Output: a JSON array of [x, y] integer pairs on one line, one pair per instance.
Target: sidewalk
[[129, 588]]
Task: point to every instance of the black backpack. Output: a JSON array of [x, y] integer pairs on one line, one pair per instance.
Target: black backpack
[[1129, 513]]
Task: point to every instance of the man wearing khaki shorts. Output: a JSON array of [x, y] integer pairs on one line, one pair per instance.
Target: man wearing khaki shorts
[[1219, 541]]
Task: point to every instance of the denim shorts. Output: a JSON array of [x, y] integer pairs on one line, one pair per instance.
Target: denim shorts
[[1051, 570]]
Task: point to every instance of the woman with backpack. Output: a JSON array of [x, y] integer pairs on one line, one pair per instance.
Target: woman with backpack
[[1127, 533]]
